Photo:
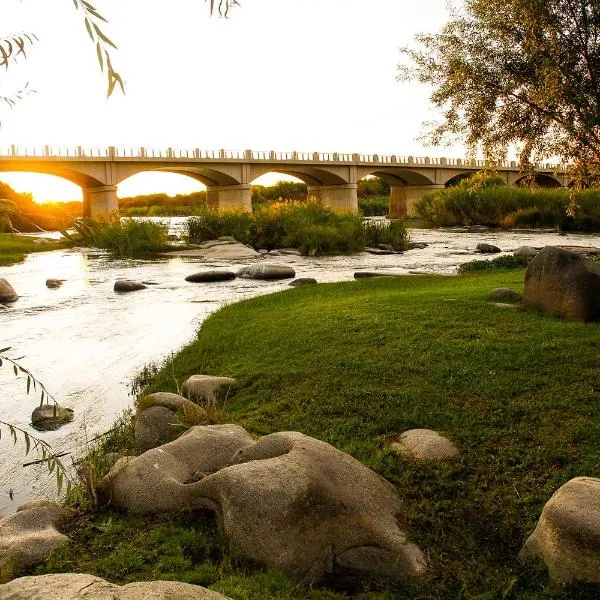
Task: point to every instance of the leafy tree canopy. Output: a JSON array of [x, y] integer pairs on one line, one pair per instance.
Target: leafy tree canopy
[[516, 72]]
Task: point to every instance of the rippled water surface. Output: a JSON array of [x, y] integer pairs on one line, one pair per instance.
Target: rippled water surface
[[86, 342]]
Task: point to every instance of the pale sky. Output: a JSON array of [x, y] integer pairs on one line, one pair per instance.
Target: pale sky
[[306, 75]]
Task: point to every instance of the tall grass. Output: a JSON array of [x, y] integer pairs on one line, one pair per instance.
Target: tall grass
[[487, 201], [309, 226]]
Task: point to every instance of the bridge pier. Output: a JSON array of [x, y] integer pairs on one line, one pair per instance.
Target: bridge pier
[[100, 201], [229, 197], [340, 198], [404, 197]]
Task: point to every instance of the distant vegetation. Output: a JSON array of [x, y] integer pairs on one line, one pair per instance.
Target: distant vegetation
[[308, 226], [484, 199]]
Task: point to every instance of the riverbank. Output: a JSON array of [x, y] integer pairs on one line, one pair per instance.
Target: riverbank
[[354, 364], [14, 247]]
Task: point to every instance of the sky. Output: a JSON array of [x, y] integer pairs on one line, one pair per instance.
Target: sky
[[305, 75]]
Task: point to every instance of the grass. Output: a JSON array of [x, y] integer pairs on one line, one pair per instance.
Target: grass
[[14, 248], [352, 364]]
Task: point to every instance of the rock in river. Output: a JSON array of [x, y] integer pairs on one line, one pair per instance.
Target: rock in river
[[49, 417], [303, 281], [488, 249], [7, 292], [128, 285], [209, 276], [267, 271]]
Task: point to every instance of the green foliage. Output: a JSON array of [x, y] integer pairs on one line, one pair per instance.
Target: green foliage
[[310, 227], [488, 202], [508, 72], [281, 191], [501, 263], [374, 206], [373, 187], [122, 237]]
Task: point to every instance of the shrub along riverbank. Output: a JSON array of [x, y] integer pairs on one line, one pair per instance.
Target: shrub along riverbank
[[352, 364], [308, 226], [13, 248], [486, 200]]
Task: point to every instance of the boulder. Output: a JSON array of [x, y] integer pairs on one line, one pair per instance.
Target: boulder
[[49, 417], [200, 388], [78, 586], [303, 281], [488, 249], [369, 274], [267, 271], [54, 283], [160, 418], [218, 250], [285, 252], [28, 535], [504, 295], [417, 245], [7, 292], [425, 444], [128, 285], [288, 501], [378, 251], [563, 283], [159, 480], [567, 536], [209, 276], [526, 251]]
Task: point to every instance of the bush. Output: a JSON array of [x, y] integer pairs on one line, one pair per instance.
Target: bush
[[123, 237], [507, 262], [309, 226], [374, 206]]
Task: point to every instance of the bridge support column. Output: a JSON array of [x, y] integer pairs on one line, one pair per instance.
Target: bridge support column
[[403, 199], [99, 201], [340, 198], [229, 197]]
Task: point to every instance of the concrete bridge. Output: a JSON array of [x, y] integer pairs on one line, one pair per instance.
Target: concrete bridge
[[333, 177]]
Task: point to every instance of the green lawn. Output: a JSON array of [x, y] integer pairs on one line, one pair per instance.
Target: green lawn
[[13, 248], [353, 363]]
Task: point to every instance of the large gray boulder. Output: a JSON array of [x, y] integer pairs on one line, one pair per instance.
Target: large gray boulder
[[488, 249], [425, 444], [77, 586], [563, 283], [128, 285], [567, 536], [289, 501], [158, 480], [49, 417], [29, 535], [210, 276], [204, 388], [528, 251], [267, 271], [7, 292], [160, 418]]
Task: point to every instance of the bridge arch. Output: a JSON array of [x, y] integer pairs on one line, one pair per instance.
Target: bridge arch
[[205, 175], [541, 180], [396, 176], [312, 176], [77, 176]]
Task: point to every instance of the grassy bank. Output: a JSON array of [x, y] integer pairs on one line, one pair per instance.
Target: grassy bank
[[14, 248], [353, 363], [485, 200]]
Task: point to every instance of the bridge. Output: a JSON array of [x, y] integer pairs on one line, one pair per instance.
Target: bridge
[[331, 177]]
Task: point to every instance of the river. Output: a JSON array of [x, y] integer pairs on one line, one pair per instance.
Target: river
[[85, 342]]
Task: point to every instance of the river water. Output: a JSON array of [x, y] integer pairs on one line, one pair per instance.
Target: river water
[[85, 342]]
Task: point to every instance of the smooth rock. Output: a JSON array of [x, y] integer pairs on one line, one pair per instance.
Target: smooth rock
[[161, 479], [78, 586], [488, 249], [7, 292], [303, 281], [289, 501], [210, 276], [417, 245], [28, 535], [425, 444], [223, 250], [504, 295], [377, 251], [49, 417], [587, 250], [567, 536], [160, 418], [54, 283], [563, 283], [204, 387], [526, 251], [286, 252], [368, 274], [385, 247], [267, 271], [128, 285]]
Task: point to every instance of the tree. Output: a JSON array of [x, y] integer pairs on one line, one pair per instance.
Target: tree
[[522, 73]]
